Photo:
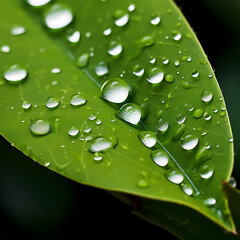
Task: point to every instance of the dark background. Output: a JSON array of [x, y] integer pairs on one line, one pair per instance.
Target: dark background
[[36, 203]]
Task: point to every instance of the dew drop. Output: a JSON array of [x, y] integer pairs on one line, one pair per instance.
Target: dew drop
[[115, 90], [155, 21], [187, 189], [131, 8], [195, 74], [165, 61], [189, 142], [206, 171], [102, 144], [5, 49], [26, 105], [82, 60], [155, 75], [206, 96], [55, 70], [197, 113], [143, 183], [174, 176], [160, 157], [177, 36], [40, 127], [73, 36], [176, 63], [162, 125], [209, 202], [15, 74], [58, 16], [107, 31], [98, 122], [37, 3], [47, 164], [148, 138], [115, 48], [78, 100], [207, 116], [18, 30], [101, 69], [130, 112], [232, 181], [52, 103], [121, 18], [169, 78], [98, 157], [180, 118], [73, 132], [138, 70]]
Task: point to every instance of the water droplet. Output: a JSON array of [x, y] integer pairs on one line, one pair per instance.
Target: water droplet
[[165, 61], [107, 31], [203, 154], [180, 118], [130, 112], [58, 16], [15, 74], [73, 36], [155, 20], [195, 74], [98, 122], [174, 176], [26, 105], [169, 78], [47, 164], [138, 70], [102, 144], [176, 63], [209, 202], [206, 171], [155, 75], [187, 189], [98, 156], [18, 30], [73, 132], [178, 132], [189, 142], [5, 49], [82, 60], [121, 18], [153, 60], [197, 113], [52, 103], [78, 100], [92, 117], [115, 48], [87, 129], [162, 125], [101, 69], [38, 3], [40, 127], [207, 116], [148, 138], [56, 70], [177, 36], [131, 8], [115, 90], [143, 183], [232, 181], [206, 96], [160, 157]]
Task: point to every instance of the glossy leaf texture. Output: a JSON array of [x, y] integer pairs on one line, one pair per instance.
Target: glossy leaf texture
[[118, 95]]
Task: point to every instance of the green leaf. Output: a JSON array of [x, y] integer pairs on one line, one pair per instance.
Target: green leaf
[[157, 128]]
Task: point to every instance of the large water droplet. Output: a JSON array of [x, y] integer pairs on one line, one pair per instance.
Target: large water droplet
[[206, 96], [174, 176], [162, 125], [121, 17], [38, 3], [180, 118], [73, 36], [138, 70], [58, 16], [206, 171], [148, 138], [195, 74], [78, 100], [40, 127], [160, 157], [115, 48], [26, 105], [73, 132], [155, 75], [130, 112], [102, 144], [101, 69], [189, 142], [15, 74], [197, 113], [52, 103], [115, 90]]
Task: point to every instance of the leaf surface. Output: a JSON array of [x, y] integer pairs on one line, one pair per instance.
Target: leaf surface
[[148, 45]]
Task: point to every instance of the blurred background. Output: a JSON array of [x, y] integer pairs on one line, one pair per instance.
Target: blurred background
[[36, 203]]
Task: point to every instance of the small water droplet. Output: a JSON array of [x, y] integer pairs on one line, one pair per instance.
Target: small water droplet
[[55, 70], [232, 181], [207, 116], [169, 78], [148, 138], [143, 183], [187, 189], [155, 75], [153, 60], [189, 142], [98, 156], [176, 63], [209, 202], [131, 8], [78, 100], [15, 74], [101, 69], [40, 127], [37, 3], [162, 125], [115, 48], [52, 103], [58, 16], [98, 122], [206, 171], [92, 117], [73, 36], [102, 144], [138, 70], [73, 132], [82, 60], [177, 36], [121, 18], [130, 112], [107, 31], [18, 30], [26, 105], [155, 20], [160, 157], [87, 129], [5, 49], [174, 176], [206, 96], [115, 90], [197, 113], [204, 152], [180, 118], [165, 61], [47, 164], [195, 74]]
